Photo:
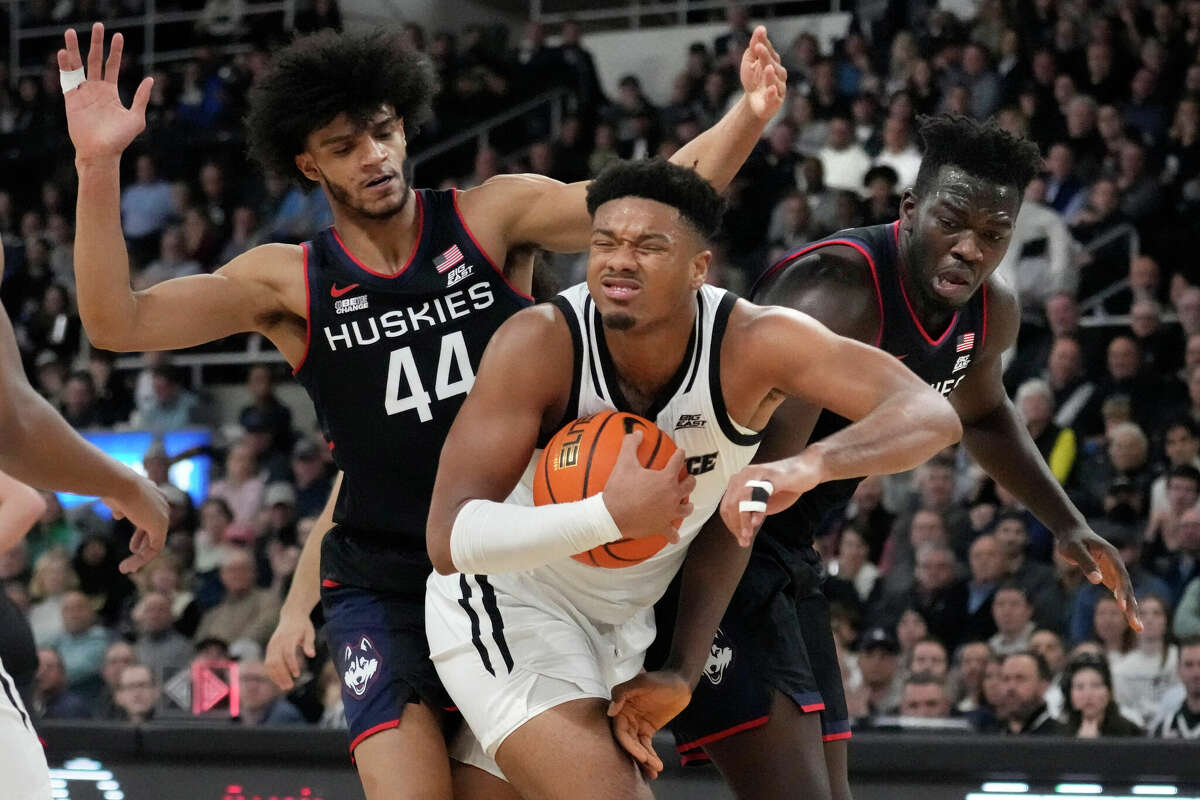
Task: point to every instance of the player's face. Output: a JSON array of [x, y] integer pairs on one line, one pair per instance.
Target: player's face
[[644, 262], [360, 167], [957, 233]]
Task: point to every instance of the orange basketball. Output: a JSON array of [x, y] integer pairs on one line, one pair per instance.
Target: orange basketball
[[576, 464]]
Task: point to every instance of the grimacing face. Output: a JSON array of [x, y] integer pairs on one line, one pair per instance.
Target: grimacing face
[[361, 167], [957, 233], [644, 262]]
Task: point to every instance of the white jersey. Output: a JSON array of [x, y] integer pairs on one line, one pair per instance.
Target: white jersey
[[691, 410], [22, 761]]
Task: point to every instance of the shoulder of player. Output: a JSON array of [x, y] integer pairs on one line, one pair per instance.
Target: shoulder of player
[[539, 329], [754, 330], [275, 265], [833, 284], [1002, 313]]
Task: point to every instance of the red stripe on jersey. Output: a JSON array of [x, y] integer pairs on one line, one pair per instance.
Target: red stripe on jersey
[[307, 313], [411, 256]]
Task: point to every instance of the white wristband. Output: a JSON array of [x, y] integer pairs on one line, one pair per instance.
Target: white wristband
[[69, 79], [489, 537]]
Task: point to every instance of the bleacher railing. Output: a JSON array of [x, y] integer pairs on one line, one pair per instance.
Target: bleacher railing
[[149, 22], [636, 13]]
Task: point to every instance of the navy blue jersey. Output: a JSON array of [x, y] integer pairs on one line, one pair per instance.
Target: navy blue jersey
[[939, 357], [390, 360]]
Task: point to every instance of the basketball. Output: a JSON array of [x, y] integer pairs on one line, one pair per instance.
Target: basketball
[[576, 464]]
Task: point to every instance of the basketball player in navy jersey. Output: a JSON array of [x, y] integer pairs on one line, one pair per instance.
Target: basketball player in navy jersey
[[384, 318], [529, 641], [922, 289], [39, 448]]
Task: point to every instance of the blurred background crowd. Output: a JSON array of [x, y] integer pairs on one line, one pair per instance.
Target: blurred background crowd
[[949, 604]]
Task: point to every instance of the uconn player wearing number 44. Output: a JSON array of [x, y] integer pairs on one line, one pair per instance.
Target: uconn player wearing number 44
[[529, 641], [384, 317]]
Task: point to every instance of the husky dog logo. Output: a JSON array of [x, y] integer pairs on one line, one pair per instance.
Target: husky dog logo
[[720, 656], [362, 662]]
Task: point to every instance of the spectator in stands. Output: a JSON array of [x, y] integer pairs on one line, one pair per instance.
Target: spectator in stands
[[910, 629], [173, 406], [970, 666], [1049, 645], [1116, 640], [1181, 445], [243, 485], [81, 645], [852, 563], [100, 577], [53, 531], [925, 696], [1036, 578], [1013, 614], [51, 697], [937, 593], [878, 658], [899, 152], [1188, 308], [879, 206], [138, 693], [1035, 404], [1026, 677], [114, 402], [1182, 493], [261, 701], [1091, 709], [159, 646], [1182, 721], [260, 382], [868, 515], [988, 569], [145, 209], [843, 159], [321, 15], [312, 478], [52, 578], [1144, 675], [172, 261], [1178, 568], [1040, 256], [55, 326], [929, 657], [79, 407], [333, 714], [1125, 458], [118, 656], [246, 612], [1099, 221], [1064, 191]]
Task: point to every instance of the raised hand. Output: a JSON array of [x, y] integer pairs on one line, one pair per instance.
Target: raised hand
[[99, 125], [1101, 563], [763, 77], [640, 707]]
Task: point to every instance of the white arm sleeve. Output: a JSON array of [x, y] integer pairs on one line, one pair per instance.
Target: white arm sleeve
[[490, 537]]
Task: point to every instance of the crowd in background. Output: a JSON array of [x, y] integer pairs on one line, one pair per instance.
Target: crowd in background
[[947, 599]]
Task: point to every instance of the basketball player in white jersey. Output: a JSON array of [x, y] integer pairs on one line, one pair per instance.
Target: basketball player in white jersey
[[39, 448], [530, 642]]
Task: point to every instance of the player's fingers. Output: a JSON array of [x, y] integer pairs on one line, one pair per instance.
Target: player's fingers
[[141, 98], [95, 57], [113, 65], [291, 660], [310, 641], [674, 465], [71, 41], [63, 60], [629, 445], [647, 741], [1080, 557], [687, 485]]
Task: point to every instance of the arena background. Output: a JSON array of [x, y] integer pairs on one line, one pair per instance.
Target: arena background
[[1104, 373]]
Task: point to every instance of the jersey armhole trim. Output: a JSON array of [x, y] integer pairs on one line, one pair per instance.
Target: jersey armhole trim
[[571, 411], [778, 265], [462, 221], [307, 314], [720, 318]]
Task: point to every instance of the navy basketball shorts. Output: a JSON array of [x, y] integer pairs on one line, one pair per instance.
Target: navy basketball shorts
[[377, 642], [776, 636]]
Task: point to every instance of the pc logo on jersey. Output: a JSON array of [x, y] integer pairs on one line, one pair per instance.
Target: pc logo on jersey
[[720, 656], [362, 665]]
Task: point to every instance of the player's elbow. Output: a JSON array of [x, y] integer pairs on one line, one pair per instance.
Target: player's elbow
[[437, 542], [945, 422], [108, 336]]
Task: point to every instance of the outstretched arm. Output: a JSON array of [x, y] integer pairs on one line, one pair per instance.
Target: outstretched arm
[[998, 441], [531, 209], [39, 448], [242, 296], [899, 421]]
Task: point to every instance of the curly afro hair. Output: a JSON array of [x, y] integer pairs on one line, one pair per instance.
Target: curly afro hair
[[318, 77], [982, 149], [682, 188]]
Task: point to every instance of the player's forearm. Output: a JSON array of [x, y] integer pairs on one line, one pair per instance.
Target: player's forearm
[[106, 302], [20, 507], [1000, 444], [42, 450], [902, 432], [714, 566], [305, 591], [719, 152]]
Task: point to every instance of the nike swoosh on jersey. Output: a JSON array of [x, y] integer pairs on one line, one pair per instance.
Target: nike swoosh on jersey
[[334, 291]]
